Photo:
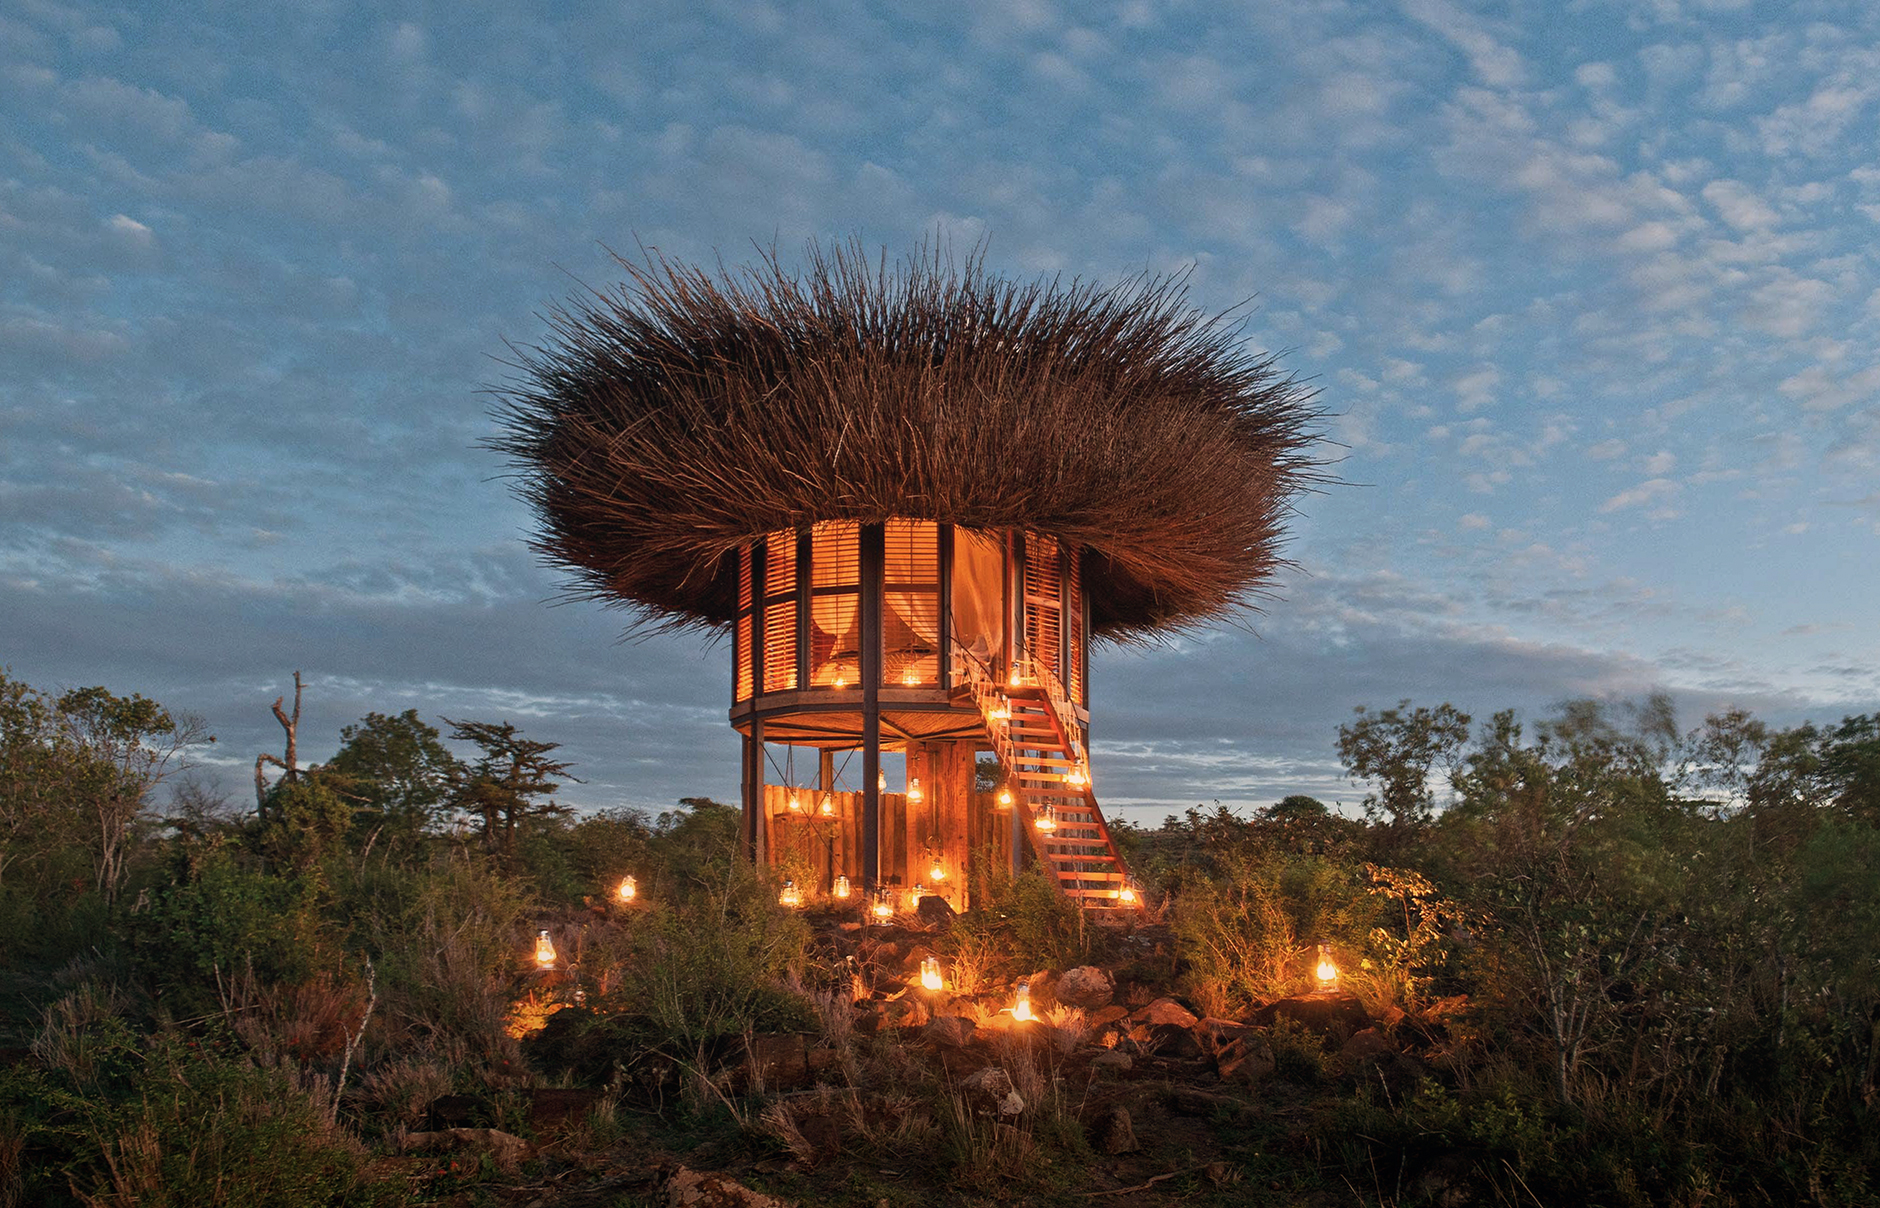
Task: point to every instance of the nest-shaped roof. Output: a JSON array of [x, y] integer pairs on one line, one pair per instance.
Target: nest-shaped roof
[[680, 416]]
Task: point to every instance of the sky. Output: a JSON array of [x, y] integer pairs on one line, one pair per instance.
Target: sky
[[1589, 290]]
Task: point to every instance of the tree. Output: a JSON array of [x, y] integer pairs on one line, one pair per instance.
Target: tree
[[501, 790], [398, 774], [1397, 749], [129, 744]]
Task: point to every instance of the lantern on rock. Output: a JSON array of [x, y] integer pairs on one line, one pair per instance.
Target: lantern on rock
[[1326, 972], [544, 949], [629, 889], [1021, 1001], [883, 908], [930, 978], [791, 895], [840, 889]]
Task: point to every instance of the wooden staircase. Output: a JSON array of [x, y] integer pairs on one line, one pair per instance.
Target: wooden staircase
[[1036, 735]]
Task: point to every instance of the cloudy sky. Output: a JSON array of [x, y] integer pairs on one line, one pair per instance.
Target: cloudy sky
[[1590, 286]]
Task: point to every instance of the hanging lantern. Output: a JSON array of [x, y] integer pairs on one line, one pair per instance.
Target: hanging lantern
[[883, 909], [1127, 894], [841, 888], [910, 678], [1077, 778], [629, 889], [1014, 680], [881, 781], [827, 806], [1047, 819], [1327, 972], [1000, 711], [1021, 1001], [791, 895], [544, 949], [930, 978], [1005, 799], [914, 795], [839, 683], [936, 871], [795, 804]]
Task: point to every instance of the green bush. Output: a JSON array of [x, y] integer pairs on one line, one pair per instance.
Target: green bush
[[229, 918]]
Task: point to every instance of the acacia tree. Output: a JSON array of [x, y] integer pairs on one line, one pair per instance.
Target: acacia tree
[[1397, 750], [121, 747], [398, 774], [508, 786]]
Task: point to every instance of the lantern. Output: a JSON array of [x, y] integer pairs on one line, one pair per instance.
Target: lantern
[[629, 889], [914, 795], [1005, 799], [930, 978], [910, 678], [883, 909], [1327, 972], [791, 895], [1077, 778], [881, 782], [1000, 711], [544, 949], [937, 871], [1047, 819], [1021, 1001], [1127, 894], [915, 894], [827, 806], [1014, 680], [839, 683], [795, 803], [841, 888]]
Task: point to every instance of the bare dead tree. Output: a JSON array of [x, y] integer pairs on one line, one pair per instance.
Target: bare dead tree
[[290, 766]]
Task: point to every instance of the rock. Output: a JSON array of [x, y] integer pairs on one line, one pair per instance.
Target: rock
[[935, 911], [949, 1030], [1165, 1010], [1112, 1062], [506, 1148], [1103, 1017], [1248, 1059], [1086, 986], [1220, 1033], [774, 1061], [1174, 1040], [1368, 1044], [1011, 1105], [694, 1189], [991, 1081], [1330, 1013], [1115, 1134]]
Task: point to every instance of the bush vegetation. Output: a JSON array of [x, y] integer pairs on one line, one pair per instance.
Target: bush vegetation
[[1640, 966]]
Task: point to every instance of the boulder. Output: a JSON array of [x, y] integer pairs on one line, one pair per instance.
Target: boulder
[[1174, 1040], [1114, 1133], [1086, 987], [1165, 1011], [935, 911], [1103, 1017], [951, 1031], [990, 1083], [1331, 1013], [1112, 1062], [1247, 1059]]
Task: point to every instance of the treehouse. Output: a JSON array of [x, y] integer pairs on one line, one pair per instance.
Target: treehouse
[[912, 497]]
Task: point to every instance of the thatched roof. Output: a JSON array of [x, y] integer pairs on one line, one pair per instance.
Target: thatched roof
[[685, 413]]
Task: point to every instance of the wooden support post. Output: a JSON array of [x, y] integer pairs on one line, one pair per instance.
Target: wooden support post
[[873, 558]]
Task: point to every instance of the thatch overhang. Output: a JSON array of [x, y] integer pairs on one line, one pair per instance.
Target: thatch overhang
[[684, 414]]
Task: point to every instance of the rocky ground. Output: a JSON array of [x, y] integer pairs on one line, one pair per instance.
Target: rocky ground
[[1115, 1092]]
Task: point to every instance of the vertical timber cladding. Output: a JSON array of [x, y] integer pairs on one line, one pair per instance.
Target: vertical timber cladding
[[1044, 603], [940, 830]]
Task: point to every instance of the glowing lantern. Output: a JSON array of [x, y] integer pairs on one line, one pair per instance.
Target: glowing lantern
[[1005, 799], [841, 888], [1014, 680], [1047, 819], [1127, 894], [1021, 1001], [914, 794], [544, 949], [791, 895], [1077, 778], [883, 909], [1327, 972], [795, 803], [629, 889], [839, 683], [999, 712], [937, 872], [915, 894], [910, 678], [930, 978], [827, 806], [881, 782]]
